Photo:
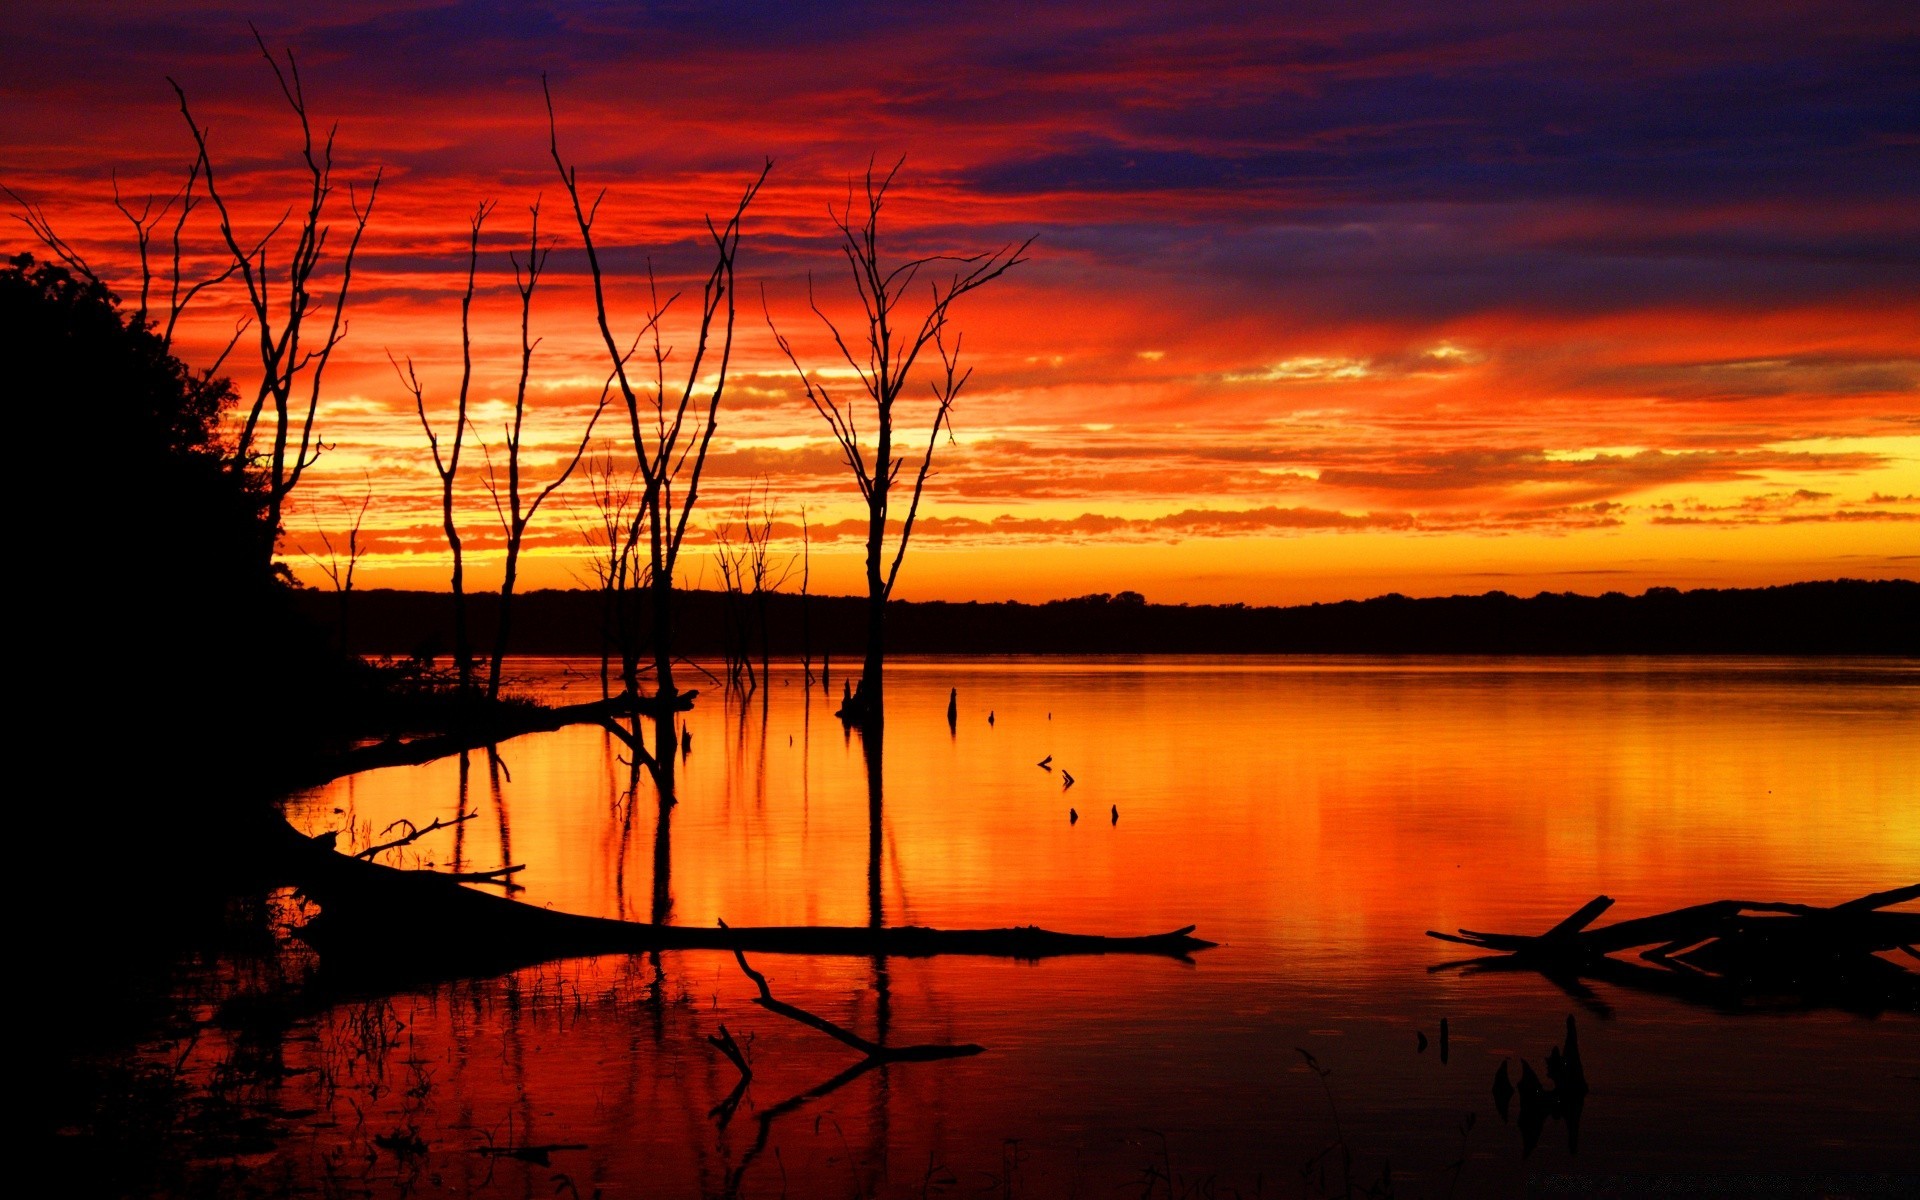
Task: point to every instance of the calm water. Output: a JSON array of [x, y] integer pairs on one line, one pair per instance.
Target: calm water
[[1314, 817]]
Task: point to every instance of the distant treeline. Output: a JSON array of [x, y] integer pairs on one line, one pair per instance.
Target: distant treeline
[[1837, 617]]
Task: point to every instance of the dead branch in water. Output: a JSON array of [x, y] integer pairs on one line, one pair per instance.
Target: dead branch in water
[[414, 833], [1727, 951], [873, 1050], [488, 727], [726, 1045], [359, 899]]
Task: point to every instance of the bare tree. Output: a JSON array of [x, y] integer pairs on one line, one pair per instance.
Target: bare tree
[[890, 350], [282, 299], [448, 466], [732, 561], [181, 294], [766, 577], [145, 222], [339, 573], [611, 535], [514, 519], [670, 432], [750, 577]]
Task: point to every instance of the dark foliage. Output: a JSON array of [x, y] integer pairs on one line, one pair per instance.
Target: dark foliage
[[1835, 617], [147, 493], [167, 671]]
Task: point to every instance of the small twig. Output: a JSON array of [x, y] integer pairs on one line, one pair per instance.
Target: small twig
[[414, 834], [497, 875]]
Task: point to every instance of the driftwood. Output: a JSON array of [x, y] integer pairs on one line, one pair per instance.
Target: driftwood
[[363, 902], [1727, 952]]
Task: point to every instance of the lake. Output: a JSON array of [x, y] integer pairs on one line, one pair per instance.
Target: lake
[[1312, 816]]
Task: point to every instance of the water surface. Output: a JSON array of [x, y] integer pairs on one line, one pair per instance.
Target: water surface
[[1312, 816]]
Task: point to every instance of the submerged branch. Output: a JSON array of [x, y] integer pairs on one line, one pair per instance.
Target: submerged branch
[[413, 834], [1728, 951]]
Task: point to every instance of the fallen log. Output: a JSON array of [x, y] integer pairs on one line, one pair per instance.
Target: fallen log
[[1727, 951], [1855, 923], [363, 905], [490, 728]]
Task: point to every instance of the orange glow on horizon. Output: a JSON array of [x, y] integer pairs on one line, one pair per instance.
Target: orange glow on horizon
[[1209, 384]]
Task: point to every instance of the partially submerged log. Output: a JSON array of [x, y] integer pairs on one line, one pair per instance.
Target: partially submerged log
[[367, 907], [1729, 950], [490, 728]]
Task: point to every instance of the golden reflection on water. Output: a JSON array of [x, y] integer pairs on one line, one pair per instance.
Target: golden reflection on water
[[1314, 816], [1320, 807]]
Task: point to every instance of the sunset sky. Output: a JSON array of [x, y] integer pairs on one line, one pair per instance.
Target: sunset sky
[[1326, 300]]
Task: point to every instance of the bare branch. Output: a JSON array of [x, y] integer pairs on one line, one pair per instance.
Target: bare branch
[[413, 833], [35, 219]]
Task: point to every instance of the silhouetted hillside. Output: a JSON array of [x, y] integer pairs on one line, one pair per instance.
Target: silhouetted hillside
[[1836, 617]]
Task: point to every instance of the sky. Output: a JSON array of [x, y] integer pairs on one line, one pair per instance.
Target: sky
[[1324, 300]]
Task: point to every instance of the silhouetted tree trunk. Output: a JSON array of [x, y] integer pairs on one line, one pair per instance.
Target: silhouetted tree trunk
[[448, 467], [513, 520], [893, 348], [672, 450], [287, 364]]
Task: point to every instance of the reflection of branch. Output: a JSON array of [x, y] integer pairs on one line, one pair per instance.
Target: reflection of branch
[[873, 1050], [1723, 953], [631, 743], [727, 1046], [766, 1117], [413, 833]]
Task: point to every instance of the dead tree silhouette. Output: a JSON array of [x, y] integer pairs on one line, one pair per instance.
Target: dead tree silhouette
[[611, 536], [284, 297], [750, 577], [514, 519], [144, 223], [448, 466], [892, 350], [180, 292], [674, 450], [338, 573]]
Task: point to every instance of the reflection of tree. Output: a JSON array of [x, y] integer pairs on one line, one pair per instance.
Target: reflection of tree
[[497, 767], [661, 910], [460, 810]]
